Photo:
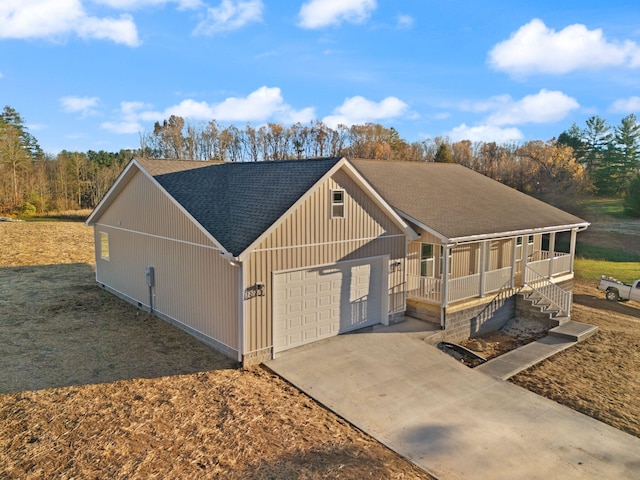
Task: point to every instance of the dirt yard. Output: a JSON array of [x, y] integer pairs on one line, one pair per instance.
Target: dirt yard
[[599, 377], [91, 387]]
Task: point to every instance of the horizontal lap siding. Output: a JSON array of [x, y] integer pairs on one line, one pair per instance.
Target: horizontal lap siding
[[193, 283], [309, 237]]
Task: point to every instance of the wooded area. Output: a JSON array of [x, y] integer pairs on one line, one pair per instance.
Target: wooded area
[[597, 159]]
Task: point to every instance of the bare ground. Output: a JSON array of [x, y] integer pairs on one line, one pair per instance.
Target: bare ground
[[91, 387]]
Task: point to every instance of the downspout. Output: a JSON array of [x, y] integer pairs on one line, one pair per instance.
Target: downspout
[[235, 262], [445, 287], [241, 311]]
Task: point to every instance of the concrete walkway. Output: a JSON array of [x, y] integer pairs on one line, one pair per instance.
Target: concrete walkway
[[511, 363], [454, 422]]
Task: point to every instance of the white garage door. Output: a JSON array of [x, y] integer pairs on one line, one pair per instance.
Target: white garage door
[[309, 305]]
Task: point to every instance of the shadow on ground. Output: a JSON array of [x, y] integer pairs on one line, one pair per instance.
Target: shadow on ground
[[59, 328], [603, 304]]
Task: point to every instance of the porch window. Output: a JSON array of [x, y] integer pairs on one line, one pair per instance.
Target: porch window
[[426, 260], [104, 245], [337, 204]]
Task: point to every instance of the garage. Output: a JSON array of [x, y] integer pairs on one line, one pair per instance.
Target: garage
[[321, 302]]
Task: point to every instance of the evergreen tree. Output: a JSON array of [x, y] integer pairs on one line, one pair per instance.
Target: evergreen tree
[[632, 198], [443, 155]]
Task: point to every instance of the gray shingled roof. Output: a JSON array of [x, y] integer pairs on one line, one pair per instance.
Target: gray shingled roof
[[457, 202], [237, 202]]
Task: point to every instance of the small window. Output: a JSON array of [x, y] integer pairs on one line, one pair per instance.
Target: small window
[[519, 241], [426, 260], [104, 246], [337, 204]]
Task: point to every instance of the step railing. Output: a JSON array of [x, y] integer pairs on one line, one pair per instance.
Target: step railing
[[558, 298]]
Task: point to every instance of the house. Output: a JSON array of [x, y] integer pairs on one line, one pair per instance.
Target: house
[[257, 258]]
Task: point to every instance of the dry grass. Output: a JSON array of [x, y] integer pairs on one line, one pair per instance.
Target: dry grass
[[599, 377], [98, 389]]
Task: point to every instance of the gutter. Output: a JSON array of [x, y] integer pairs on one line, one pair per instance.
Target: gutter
[[517, 233]]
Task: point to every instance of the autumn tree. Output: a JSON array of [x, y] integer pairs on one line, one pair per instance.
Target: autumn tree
[[443, 155]]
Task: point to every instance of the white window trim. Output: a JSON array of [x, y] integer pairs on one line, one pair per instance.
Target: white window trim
[[427, 260], [337, 204], [104, 236]]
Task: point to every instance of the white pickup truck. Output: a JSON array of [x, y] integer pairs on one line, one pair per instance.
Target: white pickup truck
[[616, 290]]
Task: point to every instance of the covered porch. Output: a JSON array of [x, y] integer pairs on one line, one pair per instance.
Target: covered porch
[[497, 265]]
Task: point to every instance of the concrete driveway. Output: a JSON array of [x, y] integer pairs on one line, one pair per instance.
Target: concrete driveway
[[454, 422]]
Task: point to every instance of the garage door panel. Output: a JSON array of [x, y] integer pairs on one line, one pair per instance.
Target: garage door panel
[[327, 301]]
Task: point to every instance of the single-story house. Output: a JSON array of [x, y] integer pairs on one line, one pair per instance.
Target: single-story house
[[258, 258]]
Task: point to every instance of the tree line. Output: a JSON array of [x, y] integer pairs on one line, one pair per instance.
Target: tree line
[[596, 159]]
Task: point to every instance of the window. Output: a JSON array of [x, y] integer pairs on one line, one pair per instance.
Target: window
[[426, 260], [529, 245], [104, 246], [337, 203], [519, 241]]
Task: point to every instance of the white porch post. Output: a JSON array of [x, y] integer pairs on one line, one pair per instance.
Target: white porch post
[[483, 266], [525, 257], [514, 251], [552, 250], [572, 248], [445, 276]]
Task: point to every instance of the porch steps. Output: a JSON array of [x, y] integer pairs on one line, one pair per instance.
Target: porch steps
[[574, 331], [537, 300]]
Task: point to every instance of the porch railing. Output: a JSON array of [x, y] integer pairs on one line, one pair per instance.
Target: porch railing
[[545, 264], [428, 288], [460, 288], [556, 296]]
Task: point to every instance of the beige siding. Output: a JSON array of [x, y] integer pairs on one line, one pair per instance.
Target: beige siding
[[309, 237], [194, 285]]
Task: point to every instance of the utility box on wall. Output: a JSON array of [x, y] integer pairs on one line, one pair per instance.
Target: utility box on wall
[[150, 276]]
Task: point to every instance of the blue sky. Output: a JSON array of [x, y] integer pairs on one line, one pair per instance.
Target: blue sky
[[93, 74]]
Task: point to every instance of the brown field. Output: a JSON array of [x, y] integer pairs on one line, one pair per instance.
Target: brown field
[[91, 387]]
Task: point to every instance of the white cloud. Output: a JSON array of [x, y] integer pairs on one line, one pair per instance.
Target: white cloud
[[405, 22], [625, 105], [543, 107], [84, 105], [55, 18], [130, 5], [230, 15], [358, 110], [535, 48], [484, 133], [130, 113], [263, 104], [323, 13]]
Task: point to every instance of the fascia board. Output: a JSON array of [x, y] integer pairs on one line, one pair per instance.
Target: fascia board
[[342, 163], [179, 206], [111, 194], [424, 227], [247, 251], [379, 200], [518, 233], [122, 181]]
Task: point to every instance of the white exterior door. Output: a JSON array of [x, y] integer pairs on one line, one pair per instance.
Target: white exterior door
[[321, 302]]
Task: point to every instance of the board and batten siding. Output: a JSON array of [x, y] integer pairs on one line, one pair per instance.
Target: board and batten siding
[[465, 258], [194, 285], [310, 237]]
